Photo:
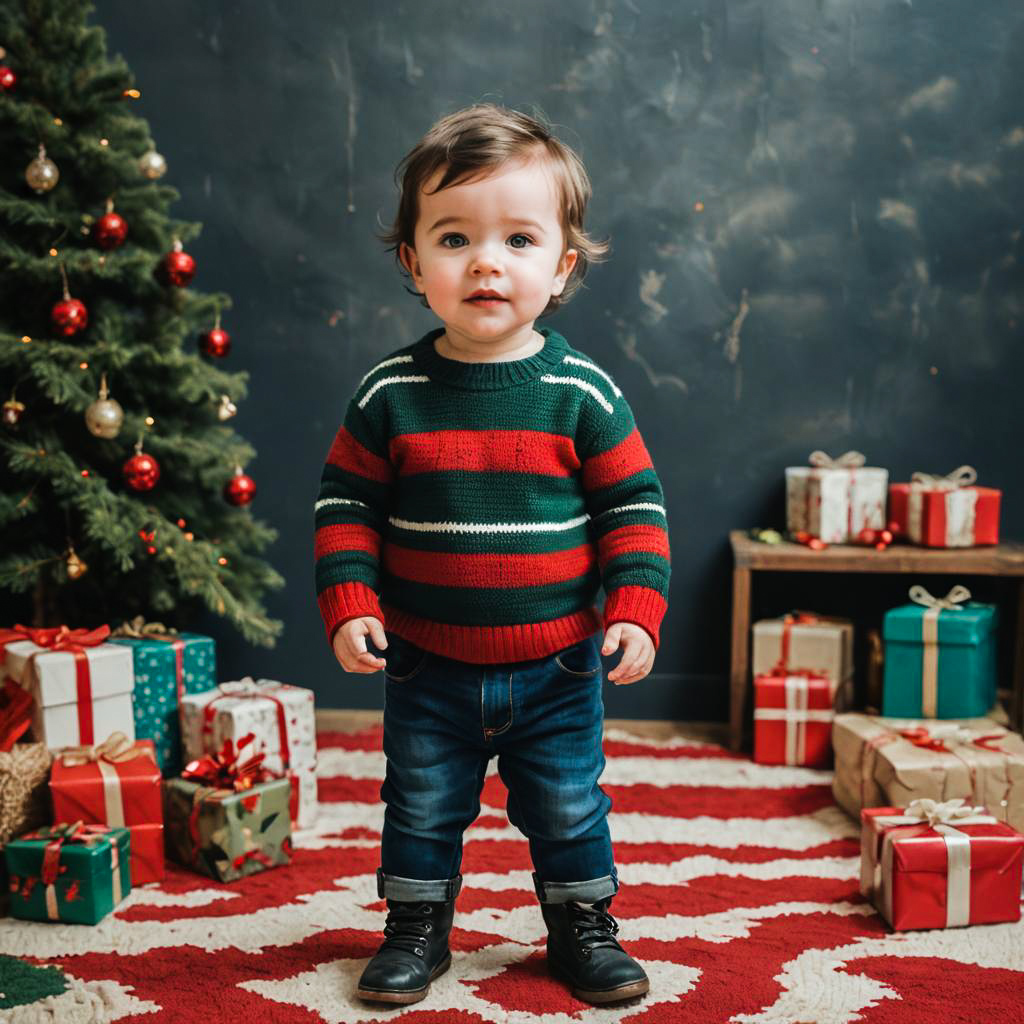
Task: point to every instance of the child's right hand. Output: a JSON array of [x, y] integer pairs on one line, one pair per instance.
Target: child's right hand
[[350, 644]]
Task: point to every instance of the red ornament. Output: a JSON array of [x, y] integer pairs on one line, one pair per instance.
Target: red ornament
[[179, 268], [141, 472], [7, 78], [110, 230], [215, 342], [240, 489], [69, 316]]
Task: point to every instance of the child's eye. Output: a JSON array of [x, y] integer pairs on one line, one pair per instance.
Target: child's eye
[[526, 238], [447, 238]]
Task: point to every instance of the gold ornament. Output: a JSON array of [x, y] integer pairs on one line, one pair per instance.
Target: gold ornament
[[12, 410], [226, 409], [152, 165], [76, 567], [105, 416], [42, 173]]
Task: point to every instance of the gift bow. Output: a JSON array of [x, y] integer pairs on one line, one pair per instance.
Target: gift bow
[[114, 749], [226, 769], [942, 737], [139, 628], [951, 602], [962, 476], [849, 460], [60, 638], [949, 812]]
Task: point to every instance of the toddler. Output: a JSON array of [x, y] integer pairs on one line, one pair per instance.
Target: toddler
[[486, 481]]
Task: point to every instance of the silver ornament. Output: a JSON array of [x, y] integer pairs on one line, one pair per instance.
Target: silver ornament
[[152, 165], [42, 173], [105, 416]]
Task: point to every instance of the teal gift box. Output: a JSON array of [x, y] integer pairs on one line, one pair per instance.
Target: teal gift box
[[156, 687], [940, 657], [76, 873]]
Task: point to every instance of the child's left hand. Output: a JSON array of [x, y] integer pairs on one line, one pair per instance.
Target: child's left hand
[[637, 655]]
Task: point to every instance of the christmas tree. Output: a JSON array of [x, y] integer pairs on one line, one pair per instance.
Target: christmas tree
[[122, 489]]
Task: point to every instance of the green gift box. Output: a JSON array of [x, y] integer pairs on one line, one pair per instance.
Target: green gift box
[[940, 657], [225, 833], [159, 666], [76, 873]]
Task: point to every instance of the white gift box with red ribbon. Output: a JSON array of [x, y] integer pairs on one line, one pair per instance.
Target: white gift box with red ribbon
[[834, 499]]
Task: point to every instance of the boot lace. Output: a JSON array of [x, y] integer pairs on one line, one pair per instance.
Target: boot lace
[[593, 927], [406, 927]]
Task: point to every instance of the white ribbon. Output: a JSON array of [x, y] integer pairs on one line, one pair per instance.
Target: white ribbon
[[962, 476], [796, 714], [115, 868]]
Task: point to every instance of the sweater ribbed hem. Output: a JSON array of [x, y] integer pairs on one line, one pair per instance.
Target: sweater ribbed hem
[[640, 605], [486, 376], [488, 645], [345, 601]]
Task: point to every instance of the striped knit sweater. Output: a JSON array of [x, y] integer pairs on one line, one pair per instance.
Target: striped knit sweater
[[476, 509]]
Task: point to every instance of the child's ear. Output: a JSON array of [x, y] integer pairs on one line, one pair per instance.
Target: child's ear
[[568, 261], [407, 254]]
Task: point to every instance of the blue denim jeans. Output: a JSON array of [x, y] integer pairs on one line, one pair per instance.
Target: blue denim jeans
[[443, 722]]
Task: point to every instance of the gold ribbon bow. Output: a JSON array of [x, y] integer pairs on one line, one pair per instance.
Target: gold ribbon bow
[[962, 476], [949, 812], [951, 602], [139, 627], [848, 460], [114, 749]]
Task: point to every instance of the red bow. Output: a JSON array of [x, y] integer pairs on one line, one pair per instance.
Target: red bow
[[226, 769], [920, 737], [60, 638], [58, 835]]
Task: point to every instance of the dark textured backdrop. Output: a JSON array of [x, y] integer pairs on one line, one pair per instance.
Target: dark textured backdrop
[[815, 216]]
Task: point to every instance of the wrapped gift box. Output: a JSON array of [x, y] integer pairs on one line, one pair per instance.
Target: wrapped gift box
[[882, 762], [940, 865], [305, 803], [940, 657], [225, 833], [76, 873], [15, 713], [24, 800], [945, 511], [805, 641], [117, 784], [793, 719], [82, 686], [167, 666], [834, 499]]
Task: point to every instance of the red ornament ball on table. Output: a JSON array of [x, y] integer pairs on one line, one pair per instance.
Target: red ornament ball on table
[[110, 230], [69, 316], [8, 79], [141, 472], [215, 342], [178, 268], [240, 489]]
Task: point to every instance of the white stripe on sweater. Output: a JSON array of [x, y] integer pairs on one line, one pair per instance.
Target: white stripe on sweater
[[449, 527], [596, 369], [585, 385], [381, 365], [647, 506], [326, 502], [417, 379]]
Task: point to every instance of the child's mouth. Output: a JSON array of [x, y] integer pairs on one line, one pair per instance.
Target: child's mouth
[[486, 300]]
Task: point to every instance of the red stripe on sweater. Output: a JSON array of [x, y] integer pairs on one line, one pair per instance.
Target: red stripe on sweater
[[493, 571], [636, 537], [510, 451], [348, 454], [345, 537], [629, 456]]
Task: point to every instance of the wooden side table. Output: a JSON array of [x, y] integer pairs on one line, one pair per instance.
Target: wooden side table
[[751, 556]]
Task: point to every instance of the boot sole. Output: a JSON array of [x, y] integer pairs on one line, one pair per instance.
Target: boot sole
[[600, 996], [410, 996]]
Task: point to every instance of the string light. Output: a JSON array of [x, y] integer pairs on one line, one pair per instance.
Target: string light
[[190, 536], [53, 252], [132, 94], [104, 142], [25, 339], [698, 206], [57, 121], [222, 560], [83, 366], [150, 421]]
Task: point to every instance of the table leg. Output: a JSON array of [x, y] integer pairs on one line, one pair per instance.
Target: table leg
[[1017, 693], [740, 654]]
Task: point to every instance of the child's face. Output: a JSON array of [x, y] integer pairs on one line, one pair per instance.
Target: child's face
[[500, 233]]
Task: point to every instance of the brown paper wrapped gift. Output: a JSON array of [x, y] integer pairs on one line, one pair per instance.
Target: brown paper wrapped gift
[[804, 641], [889, 762]]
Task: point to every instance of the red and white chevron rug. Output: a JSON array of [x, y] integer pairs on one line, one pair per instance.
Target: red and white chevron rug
[[739, 895]]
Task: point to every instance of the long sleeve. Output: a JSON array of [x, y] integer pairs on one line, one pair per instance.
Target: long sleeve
[[351, 514], [626, 505]]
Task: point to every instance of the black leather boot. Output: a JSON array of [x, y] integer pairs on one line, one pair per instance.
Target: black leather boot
[[583, 951], [414, 952]]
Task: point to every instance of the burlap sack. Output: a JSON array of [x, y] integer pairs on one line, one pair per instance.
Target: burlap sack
[[24, 794]]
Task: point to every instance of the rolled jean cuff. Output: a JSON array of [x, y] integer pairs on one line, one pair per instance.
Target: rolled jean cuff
[[590, 891], [412, 890]]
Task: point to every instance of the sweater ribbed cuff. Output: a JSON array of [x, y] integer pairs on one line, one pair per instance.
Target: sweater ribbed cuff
[[345, 601], [640, 605]]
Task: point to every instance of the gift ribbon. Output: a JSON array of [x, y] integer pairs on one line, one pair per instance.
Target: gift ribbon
[[75, 642], [942, 818], [952, 507], [116, 749], [226, 769], [785, 638], [796, 714], [139, 629], [930, 640], [962, 476], [248, 690], [850, 461]]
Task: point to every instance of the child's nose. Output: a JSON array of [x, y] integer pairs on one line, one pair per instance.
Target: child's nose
[[486, 260]]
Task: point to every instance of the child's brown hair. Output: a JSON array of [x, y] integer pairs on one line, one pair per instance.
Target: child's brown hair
[[481, 138]]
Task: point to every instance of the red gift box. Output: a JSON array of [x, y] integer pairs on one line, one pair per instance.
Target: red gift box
[[793, 714], [15, 713], [945, 511], [116, 783], [940, 865]]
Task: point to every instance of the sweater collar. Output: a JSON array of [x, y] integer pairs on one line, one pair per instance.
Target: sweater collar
[[488, 376]]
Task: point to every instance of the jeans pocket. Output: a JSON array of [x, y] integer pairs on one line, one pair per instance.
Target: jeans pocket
[[581, 661], [403, 658]]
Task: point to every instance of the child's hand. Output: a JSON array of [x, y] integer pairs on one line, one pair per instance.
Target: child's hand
[[350, 644], [637, 655]]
